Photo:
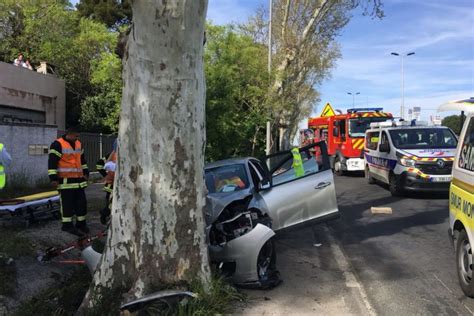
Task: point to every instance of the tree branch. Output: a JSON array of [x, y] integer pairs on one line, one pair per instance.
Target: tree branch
[[285, 20]]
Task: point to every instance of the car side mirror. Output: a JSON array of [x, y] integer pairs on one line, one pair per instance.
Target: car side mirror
[[264, 185], [384, 148]]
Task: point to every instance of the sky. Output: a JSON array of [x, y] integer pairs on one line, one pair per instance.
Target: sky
[[440, 32]]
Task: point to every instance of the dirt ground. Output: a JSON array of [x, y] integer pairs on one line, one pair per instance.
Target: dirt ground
[[31, 276]]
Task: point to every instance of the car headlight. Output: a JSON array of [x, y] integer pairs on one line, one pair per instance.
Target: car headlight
[[407, 162]]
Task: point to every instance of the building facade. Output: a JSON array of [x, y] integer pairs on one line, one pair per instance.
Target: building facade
[[27, 96]]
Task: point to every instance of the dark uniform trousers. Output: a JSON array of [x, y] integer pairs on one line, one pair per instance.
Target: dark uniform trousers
[[73, 202]]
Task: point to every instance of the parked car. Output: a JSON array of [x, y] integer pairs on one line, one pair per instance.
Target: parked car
[[461, 199], [409, 156], [250, 199]]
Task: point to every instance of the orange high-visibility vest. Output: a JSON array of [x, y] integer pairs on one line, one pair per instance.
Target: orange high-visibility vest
[[70, 164]]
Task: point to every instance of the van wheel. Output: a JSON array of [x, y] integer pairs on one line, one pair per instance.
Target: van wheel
[[370, 179], [338, 167], [464, 264], [395, 186]]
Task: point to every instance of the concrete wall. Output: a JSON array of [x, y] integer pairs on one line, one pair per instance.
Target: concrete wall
[[29, 90], [28, 145]]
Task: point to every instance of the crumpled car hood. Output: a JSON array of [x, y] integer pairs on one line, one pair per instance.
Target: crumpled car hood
[[216, 203]]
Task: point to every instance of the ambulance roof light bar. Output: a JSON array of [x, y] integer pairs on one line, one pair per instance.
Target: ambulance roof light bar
[[393, 123], [354, 110]]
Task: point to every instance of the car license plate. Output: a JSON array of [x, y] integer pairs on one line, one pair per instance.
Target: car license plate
[[441, 179]]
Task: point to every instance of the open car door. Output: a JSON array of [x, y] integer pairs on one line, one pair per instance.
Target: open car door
[[301, 188]]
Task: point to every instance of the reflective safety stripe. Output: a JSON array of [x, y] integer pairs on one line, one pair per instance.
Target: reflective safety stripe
[[69, 170], [66, 219], [2, 172], [99, 167], [84, 167], [81, 218], [108, 188], [55, 152], [66, 186], [71, 151], [52, 171]]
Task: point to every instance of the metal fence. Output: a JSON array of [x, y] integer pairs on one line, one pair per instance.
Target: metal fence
[[95, 146]]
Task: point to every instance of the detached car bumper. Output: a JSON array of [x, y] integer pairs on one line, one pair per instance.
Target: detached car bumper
[[413, 182]]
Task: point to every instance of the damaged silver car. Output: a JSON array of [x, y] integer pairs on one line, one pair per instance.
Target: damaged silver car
[[249, 200]]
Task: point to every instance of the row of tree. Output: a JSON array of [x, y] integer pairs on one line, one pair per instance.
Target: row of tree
[[242, 95]]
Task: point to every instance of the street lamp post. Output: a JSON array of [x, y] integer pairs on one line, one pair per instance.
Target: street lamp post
[[353, 97], [402, 105]]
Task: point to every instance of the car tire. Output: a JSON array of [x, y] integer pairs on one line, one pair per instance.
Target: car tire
[[464, 264], [338, 167], [268, 276], [370, 179], [395, 185]]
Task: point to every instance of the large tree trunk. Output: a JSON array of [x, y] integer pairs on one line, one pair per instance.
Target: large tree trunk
[[156, 239]]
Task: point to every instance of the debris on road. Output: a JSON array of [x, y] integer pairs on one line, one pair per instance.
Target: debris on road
[[381, 210]]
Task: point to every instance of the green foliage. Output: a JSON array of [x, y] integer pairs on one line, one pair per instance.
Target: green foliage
[[112, 13], [453, 122], [101, 111], [213, 299], [237, 81], [49, 30]]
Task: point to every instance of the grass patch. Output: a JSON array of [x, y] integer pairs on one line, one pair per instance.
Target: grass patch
[[18, 184], [217, 299], [62, 299], [13, 245]]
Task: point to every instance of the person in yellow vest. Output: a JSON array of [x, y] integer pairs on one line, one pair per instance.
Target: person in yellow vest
[[68, 172], [5, 161]]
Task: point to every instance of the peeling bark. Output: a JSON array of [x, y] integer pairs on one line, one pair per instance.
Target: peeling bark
[[156, 239]]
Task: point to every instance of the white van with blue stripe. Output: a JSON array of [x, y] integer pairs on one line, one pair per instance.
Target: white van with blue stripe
[[409, 156]]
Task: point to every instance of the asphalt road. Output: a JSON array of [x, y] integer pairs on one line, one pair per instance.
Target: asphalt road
[[404, 260]]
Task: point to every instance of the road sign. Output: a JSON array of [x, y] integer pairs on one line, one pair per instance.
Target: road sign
[[327, 111]]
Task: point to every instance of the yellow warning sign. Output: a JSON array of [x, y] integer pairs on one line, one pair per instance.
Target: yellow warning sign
[[327, 111]]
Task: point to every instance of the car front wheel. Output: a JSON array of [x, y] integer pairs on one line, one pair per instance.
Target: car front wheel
[[395, 185], [464, 263], [268, 276]]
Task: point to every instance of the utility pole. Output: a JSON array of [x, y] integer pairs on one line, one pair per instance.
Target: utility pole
[[402, 105], [269, 133], [353, 97]]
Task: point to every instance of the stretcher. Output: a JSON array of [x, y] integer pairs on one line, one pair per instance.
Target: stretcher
[[31, 208]]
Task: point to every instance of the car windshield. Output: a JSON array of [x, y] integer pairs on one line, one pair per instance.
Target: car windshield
[[358, 126], [227, 178], [420, 138]]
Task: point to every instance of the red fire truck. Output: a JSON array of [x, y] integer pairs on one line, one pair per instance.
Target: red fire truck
[[344, 135]]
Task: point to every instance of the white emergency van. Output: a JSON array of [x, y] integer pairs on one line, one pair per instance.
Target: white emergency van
[[461, 198], [409, 156]]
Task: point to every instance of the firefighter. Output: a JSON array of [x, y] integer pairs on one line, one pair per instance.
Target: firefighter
[[5, 161], [68, 172]]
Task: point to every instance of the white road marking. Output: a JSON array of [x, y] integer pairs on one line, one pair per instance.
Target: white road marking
[[442, 283], [345, 266]]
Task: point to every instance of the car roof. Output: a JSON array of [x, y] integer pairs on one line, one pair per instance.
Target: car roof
[[226, 162]]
